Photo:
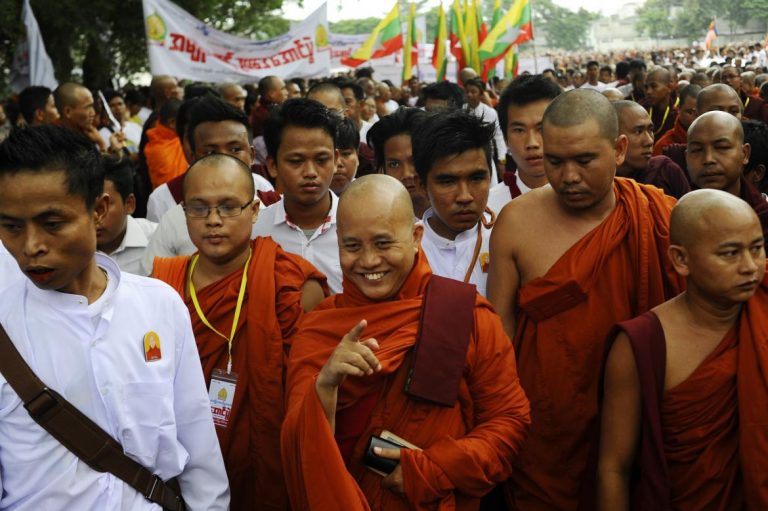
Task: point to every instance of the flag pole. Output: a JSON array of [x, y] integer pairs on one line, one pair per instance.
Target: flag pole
[[533, 42]]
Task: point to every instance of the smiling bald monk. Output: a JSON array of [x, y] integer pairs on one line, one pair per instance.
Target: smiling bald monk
[[592, 255], [245, 298], [686, 401], [355, 371]]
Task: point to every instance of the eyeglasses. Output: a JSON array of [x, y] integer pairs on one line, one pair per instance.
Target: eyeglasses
[[224, 210]]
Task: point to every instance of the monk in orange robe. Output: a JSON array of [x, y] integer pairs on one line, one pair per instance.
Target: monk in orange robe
[[164, 152], [686, 114], [343, 390], [686, 400], [277, 288], [591, 255]]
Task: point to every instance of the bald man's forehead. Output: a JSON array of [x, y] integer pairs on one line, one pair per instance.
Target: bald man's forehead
[[712, 129]]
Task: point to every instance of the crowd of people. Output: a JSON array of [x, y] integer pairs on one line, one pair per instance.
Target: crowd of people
[[544, 293]]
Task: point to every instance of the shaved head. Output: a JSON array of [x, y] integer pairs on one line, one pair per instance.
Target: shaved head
[[625, 105], [376, 191], [378, 240], [66, 95], [719, 97], [217, 162], [659, 74], [697, 211], [721, 121], [576, 107]]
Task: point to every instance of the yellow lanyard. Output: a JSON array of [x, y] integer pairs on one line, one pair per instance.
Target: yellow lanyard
[[747, 103], [238, 307], [666, 113]]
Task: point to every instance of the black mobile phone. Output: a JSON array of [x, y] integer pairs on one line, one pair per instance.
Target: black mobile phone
[[377, 463]]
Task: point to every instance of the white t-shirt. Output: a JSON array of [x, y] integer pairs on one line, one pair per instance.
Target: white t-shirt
[[9, 269], [500, 196], [132, 133], [94, 355]]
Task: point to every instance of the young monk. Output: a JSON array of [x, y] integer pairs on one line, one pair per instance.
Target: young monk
[[452, 153], [686, 113], [639, 164], [716, 158], [348, 368], [245, 298], [685, 397], [593, 254], [659, 101]]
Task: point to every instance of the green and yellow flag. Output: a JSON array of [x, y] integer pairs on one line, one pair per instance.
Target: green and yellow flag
[[473, 37], [459, 46], [386, 38], [497, 14], [410, 49], [439, 56], [514, 28], [511, 63]]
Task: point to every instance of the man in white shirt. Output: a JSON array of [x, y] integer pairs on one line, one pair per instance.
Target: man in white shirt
[[131, 130], [521, 109], [302, 157], [214, 127], [119, 235], [453, 155], [9, 270], [475, 89], [86, 329], [593, 72]]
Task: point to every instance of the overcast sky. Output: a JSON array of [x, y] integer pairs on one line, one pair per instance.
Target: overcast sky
[[345, 9]]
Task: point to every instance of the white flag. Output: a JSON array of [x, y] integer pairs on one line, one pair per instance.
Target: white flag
[[32, 65], [181, 45]]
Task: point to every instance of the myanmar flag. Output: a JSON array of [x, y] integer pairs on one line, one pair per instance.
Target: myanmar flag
[[514, 28], [459, 47], [386, 38], [439, 57], [411, 48], [511, 63], [494, 21]]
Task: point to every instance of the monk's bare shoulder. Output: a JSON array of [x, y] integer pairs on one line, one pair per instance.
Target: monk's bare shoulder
[[527, 212]]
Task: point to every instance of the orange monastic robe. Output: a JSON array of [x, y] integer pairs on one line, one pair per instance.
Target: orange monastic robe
[[467, 448], [164, 155], [677, 135], [615, 272], [271, 310]]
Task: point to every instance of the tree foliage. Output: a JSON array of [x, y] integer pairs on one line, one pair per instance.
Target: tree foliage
[[690, 18], [106, 38], [565, 29], [354, 26]]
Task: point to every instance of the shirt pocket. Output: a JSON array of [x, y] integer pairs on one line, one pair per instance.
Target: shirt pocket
[[147, 424]]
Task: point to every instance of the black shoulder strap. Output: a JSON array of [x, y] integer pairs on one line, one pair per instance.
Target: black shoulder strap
[[84, 438], [440, 352]]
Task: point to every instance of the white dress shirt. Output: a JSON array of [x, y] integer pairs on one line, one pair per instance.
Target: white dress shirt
[[451, 258], [161, 200], [129, 254], [500, 196], [321, 249], [171, 238], [9, 269], [600, 87], [93, 355]]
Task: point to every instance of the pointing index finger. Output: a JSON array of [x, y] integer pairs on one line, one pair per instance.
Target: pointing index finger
[[357, 330]]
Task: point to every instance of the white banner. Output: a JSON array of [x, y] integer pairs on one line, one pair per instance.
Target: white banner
[[31, 63], [183, 46]]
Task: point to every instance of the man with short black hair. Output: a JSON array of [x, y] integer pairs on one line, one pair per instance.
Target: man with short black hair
[[521, 109], [475, 89], [119, 235], [443, 95], [592, 82], [353, 99], [453, 156], [85, 329], [37, 106]]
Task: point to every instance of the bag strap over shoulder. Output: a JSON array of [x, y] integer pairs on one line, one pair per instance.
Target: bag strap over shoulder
[[84, 438]]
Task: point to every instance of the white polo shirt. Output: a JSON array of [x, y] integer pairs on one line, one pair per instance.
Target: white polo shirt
[[161, 199], [321, 249], [451, 258], [129, 254], [93, 355], [499, 195]]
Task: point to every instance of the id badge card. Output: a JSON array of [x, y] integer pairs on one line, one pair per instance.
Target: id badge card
[[222, 395]]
